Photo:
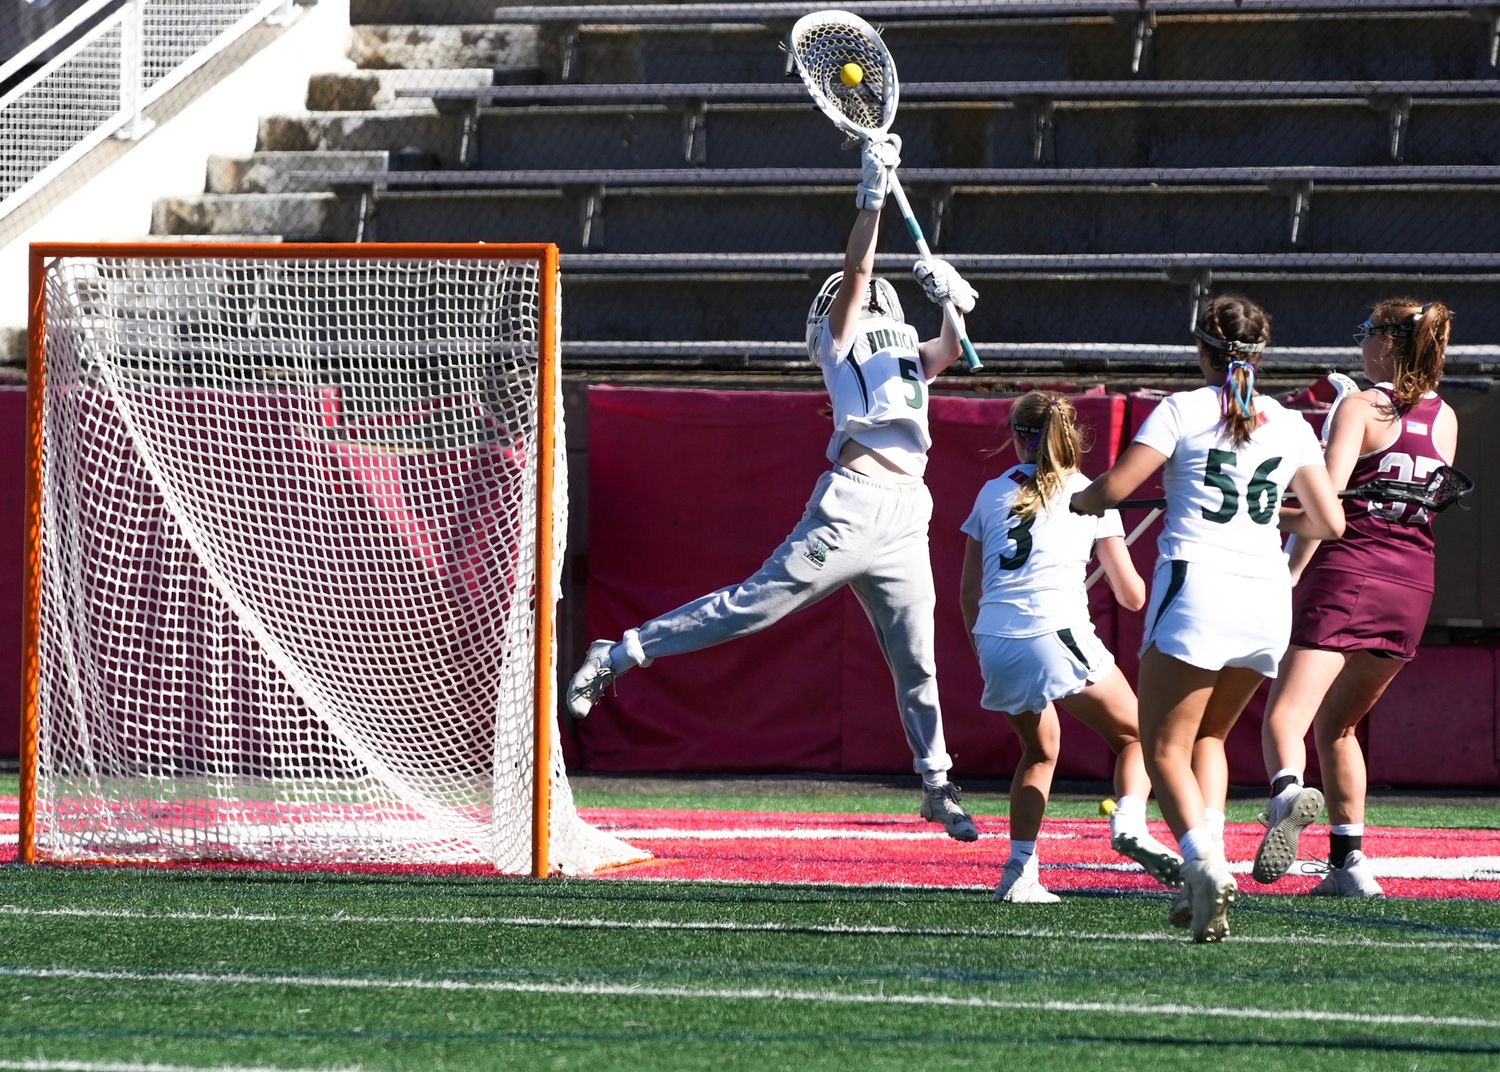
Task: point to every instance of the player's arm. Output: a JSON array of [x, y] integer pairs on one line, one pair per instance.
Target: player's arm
[[941, 283], [1345, 442], [878, 159], [859, 266], [1322, 515], [969, 587], [1445, 433], [1135, 464], [1119, 570]]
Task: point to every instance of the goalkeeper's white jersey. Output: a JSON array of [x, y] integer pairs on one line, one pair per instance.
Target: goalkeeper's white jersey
[[1223, 503], [879, 393], [1033, 579]]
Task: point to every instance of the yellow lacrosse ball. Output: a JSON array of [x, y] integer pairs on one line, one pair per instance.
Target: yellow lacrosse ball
[[1106, 807], [851, 74]]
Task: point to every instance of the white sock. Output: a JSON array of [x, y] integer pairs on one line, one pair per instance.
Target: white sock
[[1348, 829], [1024, 851], [935, 779], [1198, 844], [1213, 822], [1131, 809], [1287, 772]]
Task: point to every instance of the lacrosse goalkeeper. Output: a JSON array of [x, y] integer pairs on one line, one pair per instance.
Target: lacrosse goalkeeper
[[866, 523], [1361, 603]]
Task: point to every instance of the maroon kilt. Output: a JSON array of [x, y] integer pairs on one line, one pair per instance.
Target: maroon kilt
[[1335, 610]]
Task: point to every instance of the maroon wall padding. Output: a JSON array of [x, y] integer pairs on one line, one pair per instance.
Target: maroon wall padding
[[1436, 725], [689, 491], [12, 544]]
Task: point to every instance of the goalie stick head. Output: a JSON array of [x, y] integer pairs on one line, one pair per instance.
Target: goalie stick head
[[1343, 387], [821, 45], [880, 300]]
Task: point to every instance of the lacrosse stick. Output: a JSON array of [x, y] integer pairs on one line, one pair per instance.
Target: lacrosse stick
[[1439, 491], [852, 78], [1135, 534]]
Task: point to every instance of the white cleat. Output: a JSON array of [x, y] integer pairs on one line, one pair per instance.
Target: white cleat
[[592, 678], [1134, 843], [1212, 890], [1288, 813], [940, 804], [1020, 884], [1355, 879]]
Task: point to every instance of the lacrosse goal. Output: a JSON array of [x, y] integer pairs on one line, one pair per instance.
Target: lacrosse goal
[[295, 515]]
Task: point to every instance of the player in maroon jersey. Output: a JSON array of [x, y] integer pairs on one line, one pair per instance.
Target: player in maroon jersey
[[1360, 603]]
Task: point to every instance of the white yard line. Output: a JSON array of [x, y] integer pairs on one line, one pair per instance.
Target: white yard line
[[730, 926], [45, 1065], [830, 997]]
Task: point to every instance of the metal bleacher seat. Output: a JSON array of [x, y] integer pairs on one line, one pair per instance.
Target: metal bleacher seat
[[1140, 23], [1037, 101]]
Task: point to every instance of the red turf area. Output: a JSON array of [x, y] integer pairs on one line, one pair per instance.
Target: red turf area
[[886, 850]]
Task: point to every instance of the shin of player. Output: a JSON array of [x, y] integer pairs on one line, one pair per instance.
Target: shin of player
[[1360, 604], [1220, 610], [1024, 601], [866, 523]]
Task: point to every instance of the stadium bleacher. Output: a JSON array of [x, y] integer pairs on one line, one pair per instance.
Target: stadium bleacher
[[1264, 140]]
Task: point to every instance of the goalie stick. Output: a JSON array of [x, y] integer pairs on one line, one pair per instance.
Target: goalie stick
[[822, 46]]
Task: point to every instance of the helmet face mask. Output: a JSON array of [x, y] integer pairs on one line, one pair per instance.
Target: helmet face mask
[[880, 300]]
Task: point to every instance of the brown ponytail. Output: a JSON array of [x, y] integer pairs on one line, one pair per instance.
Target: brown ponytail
[[1419, 333], [1233, 333]]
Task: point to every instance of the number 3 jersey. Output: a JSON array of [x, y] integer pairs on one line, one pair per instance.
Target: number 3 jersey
[[879, 393], [1223, 503], [1033, 578], [1391, 540]]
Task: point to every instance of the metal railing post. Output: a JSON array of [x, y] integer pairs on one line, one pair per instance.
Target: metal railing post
[[132, 70]]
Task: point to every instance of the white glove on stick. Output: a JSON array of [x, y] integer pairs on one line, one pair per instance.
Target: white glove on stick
[[942, 283], [877, 159]]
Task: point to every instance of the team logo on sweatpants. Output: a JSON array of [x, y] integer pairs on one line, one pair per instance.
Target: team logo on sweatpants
[[817, 553]]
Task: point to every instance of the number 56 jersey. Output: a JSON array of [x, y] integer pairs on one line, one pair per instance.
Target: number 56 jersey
[[1033, 578], [1223, 503]]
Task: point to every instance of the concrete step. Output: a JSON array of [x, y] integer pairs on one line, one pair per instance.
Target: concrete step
[[437, 139], [275, 173], [394, 47], [292, 216], [361, 91]]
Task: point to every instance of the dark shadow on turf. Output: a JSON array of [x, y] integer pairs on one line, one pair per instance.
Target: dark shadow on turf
[[1367, 1045]]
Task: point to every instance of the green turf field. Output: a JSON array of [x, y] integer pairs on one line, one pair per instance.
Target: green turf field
[[188, 969]]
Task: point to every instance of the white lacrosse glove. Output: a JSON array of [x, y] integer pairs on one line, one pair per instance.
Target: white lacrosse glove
[[942, 283], [878, 159]]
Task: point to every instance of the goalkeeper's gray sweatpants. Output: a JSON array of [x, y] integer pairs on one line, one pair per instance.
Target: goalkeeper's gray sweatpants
[[866, 533]]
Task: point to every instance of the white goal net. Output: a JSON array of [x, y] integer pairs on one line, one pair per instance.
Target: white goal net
[[288, 520]]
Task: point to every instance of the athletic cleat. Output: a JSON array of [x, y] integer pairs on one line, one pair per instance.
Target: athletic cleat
[[1181, 913], [1212, 890], [1289, 812], [940, 804], [592, 678], [1134, 843], [1355, 879], [1019, 884]]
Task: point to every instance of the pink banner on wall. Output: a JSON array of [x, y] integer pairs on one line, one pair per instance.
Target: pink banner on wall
[[12, 544], [689, 491]]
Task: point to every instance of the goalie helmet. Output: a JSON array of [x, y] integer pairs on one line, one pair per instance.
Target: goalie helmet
[[880, 301]]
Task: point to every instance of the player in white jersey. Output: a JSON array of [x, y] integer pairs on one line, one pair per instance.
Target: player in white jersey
[[865, 525], [1025, 603], [1221, 596]]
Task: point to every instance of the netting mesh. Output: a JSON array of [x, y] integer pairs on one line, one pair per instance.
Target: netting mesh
[[287, 563], [823, 47]]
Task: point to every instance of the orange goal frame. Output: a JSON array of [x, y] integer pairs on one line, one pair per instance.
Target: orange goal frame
[[549, 327]]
